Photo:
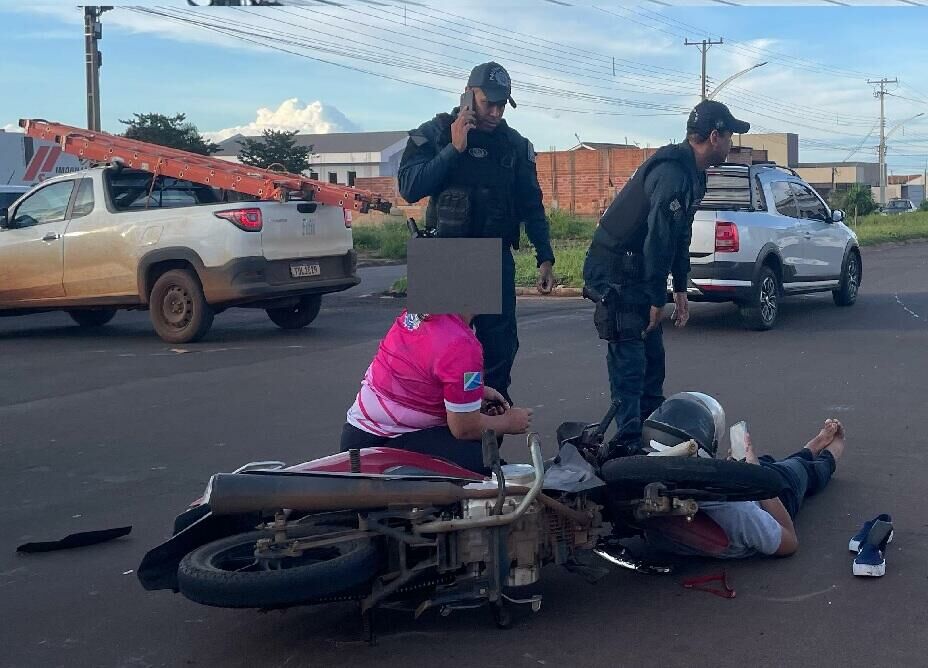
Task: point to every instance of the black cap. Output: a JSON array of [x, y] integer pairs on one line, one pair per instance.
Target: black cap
[[493, 79], [710, 115]]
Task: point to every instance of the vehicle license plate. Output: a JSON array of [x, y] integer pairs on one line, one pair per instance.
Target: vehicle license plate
[[305, 269]]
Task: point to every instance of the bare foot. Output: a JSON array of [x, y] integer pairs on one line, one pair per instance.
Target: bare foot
[[824, 437], [836, 447], [749, 455]]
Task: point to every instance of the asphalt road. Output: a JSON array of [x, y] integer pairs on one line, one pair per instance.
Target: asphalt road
[[101, 430]]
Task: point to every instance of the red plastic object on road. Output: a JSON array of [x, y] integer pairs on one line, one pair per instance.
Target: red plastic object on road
[[700, 584]]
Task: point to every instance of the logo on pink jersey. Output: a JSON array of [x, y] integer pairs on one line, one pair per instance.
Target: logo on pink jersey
[[473, 380], [412, 321]]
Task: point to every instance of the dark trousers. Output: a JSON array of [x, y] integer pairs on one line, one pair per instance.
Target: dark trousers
[[804, 475], [636, 382], [636, 367], [437, 442], [498, 334]]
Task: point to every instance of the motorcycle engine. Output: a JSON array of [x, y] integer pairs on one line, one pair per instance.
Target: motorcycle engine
[[524, 537]]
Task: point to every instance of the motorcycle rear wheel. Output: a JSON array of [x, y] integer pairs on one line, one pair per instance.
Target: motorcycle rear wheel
[[715, 479], [225, 574]]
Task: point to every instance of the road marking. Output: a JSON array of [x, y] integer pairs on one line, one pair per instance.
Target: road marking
[[907, 309], [801, 597]]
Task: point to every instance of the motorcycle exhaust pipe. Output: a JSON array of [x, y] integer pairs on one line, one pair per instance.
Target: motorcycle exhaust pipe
[[234, 494]]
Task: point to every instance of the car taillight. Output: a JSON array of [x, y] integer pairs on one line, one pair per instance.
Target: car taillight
[[726, 237], [244, 219], [347, 218]]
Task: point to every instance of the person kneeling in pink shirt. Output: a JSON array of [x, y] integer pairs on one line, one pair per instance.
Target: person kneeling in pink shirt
[[424, 392]]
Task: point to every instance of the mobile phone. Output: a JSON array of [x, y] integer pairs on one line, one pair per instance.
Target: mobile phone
[[739, 440], [467, 100]]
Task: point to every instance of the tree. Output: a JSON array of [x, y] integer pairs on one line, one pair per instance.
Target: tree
[[171, 131], [276, 147], [858, 197], [924, 205]]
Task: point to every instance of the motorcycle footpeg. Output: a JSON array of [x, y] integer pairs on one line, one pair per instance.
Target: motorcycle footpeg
[[533, 601]]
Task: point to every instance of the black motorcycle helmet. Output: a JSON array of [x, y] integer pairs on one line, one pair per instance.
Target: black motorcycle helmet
[[685, 416]]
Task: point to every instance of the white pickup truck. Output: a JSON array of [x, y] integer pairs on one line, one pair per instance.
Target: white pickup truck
[[761, 233], [109, 238]]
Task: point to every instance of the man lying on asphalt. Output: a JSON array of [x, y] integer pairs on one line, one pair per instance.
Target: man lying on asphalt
[[740, 529]]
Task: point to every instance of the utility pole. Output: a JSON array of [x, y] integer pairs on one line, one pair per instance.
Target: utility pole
[[882, 95], [703, 47], [93, 60]]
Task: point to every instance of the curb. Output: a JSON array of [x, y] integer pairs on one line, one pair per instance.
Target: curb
[[918, 241], [520, 292], [378, 262], [556, 292]]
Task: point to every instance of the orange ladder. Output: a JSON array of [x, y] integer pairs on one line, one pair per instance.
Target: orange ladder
[[264, 184]]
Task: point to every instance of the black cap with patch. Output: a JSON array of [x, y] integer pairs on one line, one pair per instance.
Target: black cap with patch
[[493, 79], [710, 115]]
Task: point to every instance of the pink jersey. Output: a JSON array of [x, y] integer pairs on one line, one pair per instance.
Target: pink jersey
[[423, 368]]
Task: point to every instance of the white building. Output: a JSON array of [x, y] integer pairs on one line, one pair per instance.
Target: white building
[[910, 187], [341, 157]]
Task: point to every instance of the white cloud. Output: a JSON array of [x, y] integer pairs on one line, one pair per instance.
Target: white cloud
[[313, 118], [11, 127]]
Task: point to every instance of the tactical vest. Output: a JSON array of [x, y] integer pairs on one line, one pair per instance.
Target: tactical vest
[[478, 199], [624, 225]]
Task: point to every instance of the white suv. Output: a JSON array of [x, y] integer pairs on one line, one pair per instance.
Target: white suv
[[103, 239], [761, 233]]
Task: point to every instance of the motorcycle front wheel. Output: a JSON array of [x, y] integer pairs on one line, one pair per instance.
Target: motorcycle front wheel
[[692, 477], [226, 574]]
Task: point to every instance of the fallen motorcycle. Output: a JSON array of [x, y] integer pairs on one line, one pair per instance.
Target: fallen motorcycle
[[392, 528]]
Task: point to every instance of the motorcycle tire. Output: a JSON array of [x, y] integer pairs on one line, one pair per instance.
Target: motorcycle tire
[[212, 574], [714, 479]]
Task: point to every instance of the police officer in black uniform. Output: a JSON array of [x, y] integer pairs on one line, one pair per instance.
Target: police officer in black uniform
[[642, 237], [480, 177]]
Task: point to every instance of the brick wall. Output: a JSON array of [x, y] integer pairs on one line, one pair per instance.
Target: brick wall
[[386, 186], [578, 181]]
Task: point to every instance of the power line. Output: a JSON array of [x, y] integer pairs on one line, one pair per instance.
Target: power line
[[645, 89], [508, 34], [774, 104], [753, 96], [454, 32], [144, 10], [247, 33], [799, 63]]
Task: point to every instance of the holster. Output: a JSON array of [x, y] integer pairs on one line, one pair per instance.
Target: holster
[[618, 321]]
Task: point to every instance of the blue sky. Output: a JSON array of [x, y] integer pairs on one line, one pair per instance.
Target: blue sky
[[814, 83]]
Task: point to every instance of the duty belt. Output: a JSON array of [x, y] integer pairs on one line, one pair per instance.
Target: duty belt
[[628, 265]]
